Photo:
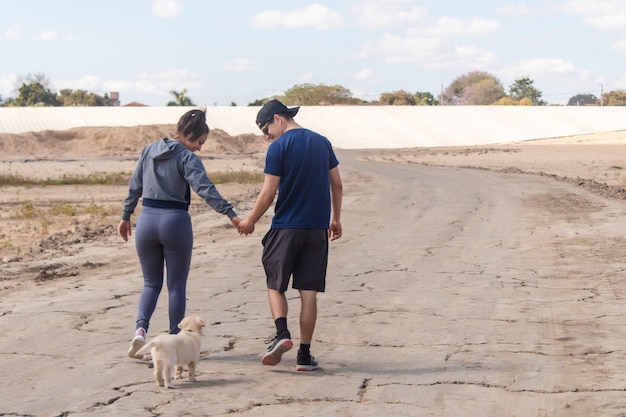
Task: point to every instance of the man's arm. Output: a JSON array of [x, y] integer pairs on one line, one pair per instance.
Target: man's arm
[[336, 197], [263, 202]]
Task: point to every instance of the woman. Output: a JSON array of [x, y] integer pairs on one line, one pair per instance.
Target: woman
[[164, 174]]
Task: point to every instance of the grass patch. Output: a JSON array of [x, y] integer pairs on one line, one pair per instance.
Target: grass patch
[[28, 211], [239, 177], [65, 209], [218, 177], [13, 180]]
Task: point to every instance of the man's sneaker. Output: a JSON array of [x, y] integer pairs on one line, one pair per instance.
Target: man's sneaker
[[137, 343], [280, 345], [306, 362]]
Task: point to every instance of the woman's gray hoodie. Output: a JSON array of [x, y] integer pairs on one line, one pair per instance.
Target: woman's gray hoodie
[[165, 171]]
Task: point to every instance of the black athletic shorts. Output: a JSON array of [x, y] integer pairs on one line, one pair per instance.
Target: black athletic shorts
[[302, 253]]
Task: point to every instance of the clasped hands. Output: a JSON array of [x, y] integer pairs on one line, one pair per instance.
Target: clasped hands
[[244, 227]]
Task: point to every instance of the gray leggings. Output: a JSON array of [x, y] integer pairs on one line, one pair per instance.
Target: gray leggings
[[163, 237]]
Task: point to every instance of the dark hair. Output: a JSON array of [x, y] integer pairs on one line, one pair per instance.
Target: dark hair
[[286, 116], [193, 123]]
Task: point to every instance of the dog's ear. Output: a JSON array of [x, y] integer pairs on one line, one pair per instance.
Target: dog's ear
[[199, 324]]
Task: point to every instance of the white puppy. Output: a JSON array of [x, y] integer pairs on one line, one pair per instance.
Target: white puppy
[[171, 351]]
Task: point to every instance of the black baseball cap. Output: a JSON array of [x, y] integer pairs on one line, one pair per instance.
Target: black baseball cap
[[272, 107]]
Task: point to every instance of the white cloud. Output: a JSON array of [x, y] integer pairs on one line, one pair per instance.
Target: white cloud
[[548, 72], [607, 22], [88, 83], [619, 84], [386, 14], [619, 45], [607, 15], [556, 78], [364, 74], [518, 9], [48, 35], [541, 65], [447, 27], [158, 84], [166, 8], [426, 52], [13, 32], [471, 56], [240, 64], [316, 16], [398, 49], [8, 85], [173, 79], [593, 7]]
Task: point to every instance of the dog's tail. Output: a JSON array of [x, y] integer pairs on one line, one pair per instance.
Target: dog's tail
[[145, 349]]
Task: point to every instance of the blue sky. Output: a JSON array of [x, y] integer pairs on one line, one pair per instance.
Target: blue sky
[[243, 50]]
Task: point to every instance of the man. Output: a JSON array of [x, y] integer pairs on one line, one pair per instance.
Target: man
[[301, 165]]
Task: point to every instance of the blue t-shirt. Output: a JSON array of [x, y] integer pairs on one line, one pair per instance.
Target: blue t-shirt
[[302, 159]]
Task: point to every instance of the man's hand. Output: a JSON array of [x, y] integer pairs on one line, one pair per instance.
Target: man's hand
[[334, 230], [245, 227]]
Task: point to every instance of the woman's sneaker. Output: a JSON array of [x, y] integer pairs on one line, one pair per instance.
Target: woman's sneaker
[[275, 351], [306, 362], [137, 343]]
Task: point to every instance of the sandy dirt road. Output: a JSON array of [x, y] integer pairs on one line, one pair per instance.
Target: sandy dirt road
[[454, 291]]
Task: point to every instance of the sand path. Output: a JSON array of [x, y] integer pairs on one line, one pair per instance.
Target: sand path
[[454, 291]]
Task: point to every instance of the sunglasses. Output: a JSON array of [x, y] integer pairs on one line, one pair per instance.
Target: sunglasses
[[264, 128]]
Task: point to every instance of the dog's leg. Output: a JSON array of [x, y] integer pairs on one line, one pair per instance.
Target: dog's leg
[[158, 373], [192, 371], [167, 375], [179, 372]]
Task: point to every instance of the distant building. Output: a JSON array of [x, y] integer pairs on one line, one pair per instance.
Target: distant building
[[115, 98], [135, 104]]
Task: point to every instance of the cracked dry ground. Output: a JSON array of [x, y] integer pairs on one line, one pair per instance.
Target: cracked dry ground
[[454, 292]]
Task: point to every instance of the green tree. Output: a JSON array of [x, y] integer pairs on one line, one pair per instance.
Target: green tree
[[35, 94], [181, 98], [523, 87], [614, 98], [315, 95], [425, 99], [259, 102], [69, 97], [404, 98], [583, 100], [506, 101], [474, 88], [398, 98]]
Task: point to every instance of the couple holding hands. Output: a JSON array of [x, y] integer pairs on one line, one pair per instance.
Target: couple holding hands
[[300, 163]]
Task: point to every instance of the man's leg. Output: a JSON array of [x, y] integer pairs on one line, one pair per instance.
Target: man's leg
[[308, 315], [278, 303], [282, 342]]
